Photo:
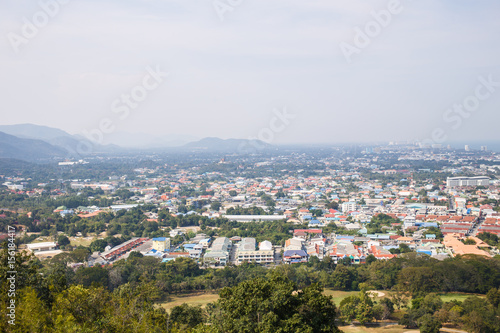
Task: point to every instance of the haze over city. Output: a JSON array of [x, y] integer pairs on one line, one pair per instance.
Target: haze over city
[[351, 71]]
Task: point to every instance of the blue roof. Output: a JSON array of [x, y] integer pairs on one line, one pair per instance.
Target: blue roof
[[160, 239], [344, 237], [289, 253]]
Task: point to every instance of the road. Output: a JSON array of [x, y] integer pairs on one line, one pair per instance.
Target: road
[[474, 230]]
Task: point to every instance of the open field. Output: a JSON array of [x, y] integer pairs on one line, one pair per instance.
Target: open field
[[447, 297], [389, 329], [385, 329], [83, 241], [191, 299], [338, 295], [203, 299]]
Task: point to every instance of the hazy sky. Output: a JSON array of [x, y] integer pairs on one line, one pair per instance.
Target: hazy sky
[[232, 62]]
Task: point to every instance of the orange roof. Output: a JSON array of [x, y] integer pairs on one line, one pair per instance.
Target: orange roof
[[90, 214], [451, 241]]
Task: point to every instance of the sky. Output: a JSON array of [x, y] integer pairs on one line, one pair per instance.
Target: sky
[[284, 71]]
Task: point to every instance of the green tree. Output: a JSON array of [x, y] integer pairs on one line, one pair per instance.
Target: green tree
[[92, 276], [357, 307], [273, 305], [428, 324], [469, 241], [493, 296], [215, 206], [187, 316], [98, 245], [63, 240]]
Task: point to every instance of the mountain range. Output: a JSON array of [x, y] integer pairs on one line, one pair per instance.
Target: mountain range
[[27, 149], [31, 142]]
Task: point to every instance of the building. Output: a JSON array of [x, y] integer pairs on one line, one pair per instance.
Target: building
[[294, 244], [255, 218], [122, 249], [161, 244], [467, 181], [348, 206], [219, 252], [247, 252], [120, 207], [294, 256], [41, 247]]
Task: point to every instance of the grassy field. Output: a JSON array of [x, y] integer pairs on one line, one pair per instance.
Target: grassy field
[[338, 296], [447, 297], [191, 299], [203, 299], [83, 241]]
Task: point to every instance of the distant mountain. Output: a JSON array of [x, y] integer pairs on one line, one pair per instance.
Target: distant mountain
[[242, 146], [28, 149], [31, 131], [75, 146]]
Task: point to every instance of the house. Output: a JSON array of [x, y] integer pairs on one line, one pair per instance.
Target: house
[[174, 255], [294, 256], [405, 240], [205, 242], [294, 244], [315, 250]]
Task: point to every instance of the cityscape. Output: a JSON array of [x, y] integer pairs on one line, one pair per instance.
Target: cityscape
[[231, 166]]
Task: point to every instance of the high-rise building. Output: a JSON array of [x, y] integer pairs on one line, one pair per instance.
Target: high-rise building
[[467, 148]]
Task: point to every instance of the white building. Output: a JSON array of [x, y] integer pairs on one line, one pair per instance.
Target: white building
[[467, 181], [256, 218], [247, 252], [41, 247], [348, 207]]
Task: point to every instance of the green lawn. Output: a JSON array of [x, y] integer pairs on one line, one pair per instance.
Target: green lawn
[[338, 295], [447, 297]]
